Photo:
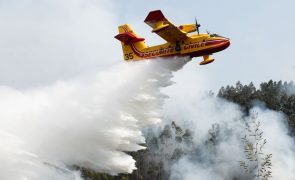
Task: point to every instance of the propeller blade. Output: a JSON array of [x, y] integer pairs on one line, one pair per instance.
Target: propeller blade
[[197, 25]]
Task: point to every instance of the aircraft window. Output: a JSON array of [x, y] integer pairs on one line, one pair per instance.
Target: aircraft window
[[215, 35]]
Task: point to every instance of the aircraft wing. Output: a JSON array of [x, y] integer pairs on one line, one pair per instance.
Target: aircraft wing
[[163, 27]]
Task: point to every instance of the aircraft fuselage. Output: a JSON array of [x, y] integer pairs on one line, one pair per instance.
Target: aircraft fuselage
[[194, 46]]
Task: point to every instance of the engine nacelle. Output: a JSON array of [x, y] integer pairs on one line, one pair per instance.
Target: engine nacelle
[[188, 28]]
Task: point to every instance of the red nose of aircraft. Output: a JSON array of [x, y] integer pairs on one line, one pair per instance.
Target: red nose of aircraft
[[225, 43]]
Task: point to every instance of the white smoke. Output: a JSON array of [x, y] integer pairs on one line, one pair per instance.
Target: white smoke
[[19, 164], [87, 122], [290, 88], [201, 113]]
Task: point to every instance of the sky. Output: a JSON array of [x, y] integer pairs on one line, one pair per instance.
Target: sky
[[49, 41], [260, 32]]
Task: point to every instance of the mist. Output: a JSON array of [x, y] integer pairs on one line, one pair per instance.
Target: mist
[[205, 114]]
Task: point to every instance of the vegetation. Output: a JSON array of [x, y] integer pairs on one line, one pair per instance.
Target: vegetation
[[277, 96], [257, 164], [172, 142], [163, 149]]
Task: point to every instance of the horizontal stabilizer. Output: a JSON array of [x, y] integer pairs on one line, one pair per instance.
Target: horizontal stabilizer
[[128, 38]]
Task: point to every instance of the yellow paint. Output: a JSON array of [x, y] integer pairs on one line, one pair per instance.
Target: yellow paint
[[188, 28], [175, 36]]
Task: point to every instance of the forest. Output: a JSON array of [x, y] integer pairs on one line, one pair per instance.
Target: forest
[[173, 142]]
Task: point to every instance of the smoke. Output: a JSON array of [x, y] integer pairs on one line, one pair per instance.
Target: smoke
[[89, 121], [19, 164], [218, 127], [290, 89]]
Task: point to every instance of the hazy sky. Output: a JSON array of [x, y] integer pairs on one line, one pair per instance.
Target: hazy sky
[[261, 34], [44, 41]]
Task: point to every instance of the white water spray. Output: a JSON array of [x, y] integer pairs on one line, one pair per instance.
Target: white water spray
[[88, 122]]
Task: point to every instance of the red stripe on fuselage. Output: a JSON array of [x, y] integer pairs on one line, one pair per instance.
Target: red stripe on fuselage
[[218, 45], [136, 51]]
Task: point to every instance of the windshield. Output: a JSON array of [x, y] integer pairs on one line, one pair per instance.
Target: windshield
[[215, 35]]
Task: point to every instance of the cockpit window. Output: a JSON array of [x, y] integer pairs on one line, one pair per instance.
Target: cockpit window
[[215, 35]]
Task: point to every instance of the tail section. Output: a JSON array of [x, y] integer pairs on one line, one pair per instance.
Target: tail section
[[132, 45]]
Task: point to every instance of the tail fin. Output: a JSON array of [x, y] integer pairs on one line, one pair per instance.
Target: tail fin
[[131, 43]]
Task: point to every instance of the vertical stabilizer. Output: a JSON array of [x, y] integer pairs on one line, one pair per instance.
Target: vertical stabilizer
[[132, 44]]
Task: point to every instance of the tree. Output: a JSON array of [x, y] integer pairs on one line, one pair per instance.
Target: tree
[[278, 96], [256, 163]]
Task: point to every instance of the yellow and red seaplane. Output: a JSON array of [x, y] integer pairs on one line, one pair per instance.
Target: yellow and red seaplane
[[179, 42]]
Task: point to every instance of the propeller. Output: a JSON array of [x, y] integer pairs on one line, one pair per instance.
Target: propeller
[[208, 32], [197, 26]]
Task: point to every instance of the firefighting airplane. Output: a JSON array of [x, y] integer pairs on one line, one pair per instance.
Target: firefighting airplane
[[179, 42]]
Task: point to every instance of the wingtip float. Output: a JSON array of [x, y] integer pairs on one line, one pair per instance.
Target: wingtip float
[[179, 41]]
